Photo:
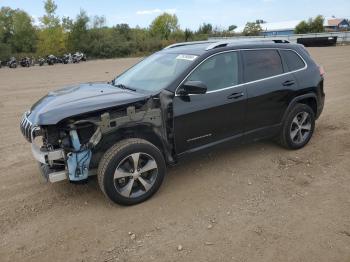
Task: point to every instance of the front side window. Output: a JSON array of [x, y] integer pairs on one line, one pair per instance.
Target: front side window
[[155, 72], [260, 64], [217, 72], [292, 59]]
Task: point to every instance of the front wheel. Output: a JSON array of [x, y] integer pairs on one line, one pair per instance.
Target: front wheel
[[298, 127], [131, 171]]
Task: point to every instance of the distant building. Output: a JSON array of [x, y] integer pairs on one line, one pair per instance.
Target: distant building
[[288, 27], [279, 28], [336, 24]]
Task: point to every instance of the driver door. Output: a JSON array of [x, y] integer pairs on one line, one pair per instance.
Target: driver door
[[217, 115]]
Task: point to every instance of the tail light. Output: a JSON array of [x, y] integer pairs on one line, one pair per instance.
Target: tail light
[[322, 72]]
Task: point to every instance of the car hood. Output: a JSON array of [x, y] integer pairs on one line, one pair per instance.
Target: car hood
[[79, 99]]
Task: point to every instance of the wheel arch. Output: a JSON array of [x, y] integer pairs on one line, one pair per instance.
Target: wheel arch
[[309, 99], [144, 131]]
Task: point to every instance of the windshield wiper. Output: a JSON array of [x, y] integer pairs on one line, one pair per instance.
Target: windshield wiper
[[124, 87]]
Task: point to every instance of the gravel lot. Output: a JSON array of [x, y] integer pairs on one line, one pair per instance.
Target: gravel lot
[[257, 202]]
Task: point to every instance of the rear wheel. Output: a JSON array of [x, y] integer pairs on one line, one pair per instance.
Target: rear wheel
[[298, 127], [131, 171]]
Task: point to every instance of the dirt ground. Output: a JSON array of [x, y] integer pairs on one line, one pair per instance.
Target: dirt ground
[[257, 202]]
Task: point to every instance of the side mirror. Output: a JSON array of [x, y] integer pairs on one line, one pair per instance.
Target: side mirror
[[112, 82], [192, 88]]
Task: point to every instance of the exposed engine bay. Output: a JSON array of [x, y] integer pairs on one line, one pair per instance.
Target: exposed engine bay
[[72, 148]]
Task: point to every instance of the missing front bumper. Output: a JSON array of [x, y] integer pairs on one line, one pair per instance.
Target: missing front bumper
[[74, 165], [45, 157], [51, 175]]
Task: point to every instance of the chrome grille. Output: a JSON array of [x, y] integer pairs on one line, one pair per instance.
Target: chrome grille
[[26, 127]]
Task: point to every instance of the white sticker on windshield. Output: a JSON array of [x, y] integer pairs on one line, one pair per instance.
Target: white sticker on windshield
[[187, 57]]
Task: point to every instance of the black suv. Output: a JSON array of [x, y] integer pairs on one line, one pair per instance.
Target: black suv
[[187, 97]]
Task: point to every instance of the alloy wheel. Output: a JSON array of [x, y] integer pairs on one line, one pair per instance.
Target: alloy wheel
[[135, 175], [300, 128]]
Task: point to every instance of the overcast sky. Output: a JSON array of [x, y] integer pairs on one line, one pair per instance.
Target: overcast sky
[[191, 13]]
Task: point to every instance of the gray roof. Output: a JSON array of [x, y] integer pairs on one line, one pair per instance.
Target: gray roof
[[199, 48]]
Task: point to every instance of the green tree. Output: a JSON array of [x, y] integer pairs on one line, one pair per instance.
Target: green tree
[[260, 21], [98, 21], [17, 32], [124, 30], [5, 51], [252, 29], [188, 34], [302, 28], [205, 29], [78, 35], [67, 23], [6, 24], [50, 20], [52, 39], [316, 24], [232, 27], [311, 26], [163, 25], [24, 34]]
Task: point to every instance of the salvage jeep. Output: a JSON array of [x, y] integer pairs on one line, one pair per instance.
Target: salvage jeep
[[182, 99]]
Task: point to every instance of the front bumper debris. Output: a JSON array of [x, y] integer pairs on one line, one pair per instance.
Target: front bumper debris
[[45, 157], [58, 164], [54, 176], [51, 175]]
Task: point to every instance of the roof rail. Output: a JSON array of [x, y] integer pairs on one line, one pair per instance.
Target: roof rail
[[188, 43], [228, 42], [218, 44], [281, 41]]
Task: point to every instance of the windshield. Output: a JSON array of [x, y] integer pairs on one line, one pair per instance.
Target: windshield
[[155, 72]]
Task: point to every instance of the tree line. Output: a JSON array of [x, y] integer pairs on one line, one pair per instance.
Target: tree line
[[58, 35]]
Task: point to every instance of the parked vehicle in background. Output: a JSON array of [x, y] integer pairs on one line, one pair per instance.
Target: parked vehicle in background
[[0, 63], [84, 58], [41, 61], [185, 98], [78, 56], [67, 58], [12, 63], [59, 60], [51, 60], [25, 62]]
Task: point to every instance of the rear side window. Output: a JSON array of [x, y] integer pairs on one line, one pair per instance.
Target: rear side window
[[259, 64], [292, 59]]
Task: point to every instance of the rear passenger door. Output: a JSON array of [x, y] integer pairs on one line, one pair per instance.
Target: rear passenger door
[[269, 88]]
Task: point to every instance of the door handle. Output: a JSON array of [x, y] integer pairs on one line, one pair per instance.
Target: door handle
[[235, 95], [289, 83]]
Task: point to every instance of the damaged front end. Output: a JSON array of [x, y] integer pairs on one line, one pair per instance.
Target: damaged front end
[[61, 151], [71, 149]]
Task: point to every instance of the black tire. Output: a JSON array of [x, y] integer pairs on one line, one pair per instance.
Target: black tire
[[293, 127], [113, 159]]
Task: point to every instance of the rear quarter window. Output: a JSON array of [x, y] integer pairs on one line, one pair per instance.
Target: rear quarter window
[[292, 59], [260, 64]]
